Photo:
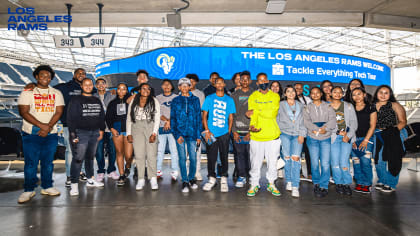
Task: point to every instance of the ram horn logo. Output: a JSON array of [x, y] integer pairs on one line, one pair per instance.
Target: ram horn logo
[[165, 62]]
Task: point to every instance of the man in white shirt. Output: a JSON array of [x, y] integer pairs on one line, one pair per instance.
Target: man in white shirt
[[40, 108]]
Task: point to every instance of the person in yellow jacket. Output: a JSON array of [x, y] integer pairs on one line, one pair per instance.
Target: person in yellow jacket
[[263, 106]]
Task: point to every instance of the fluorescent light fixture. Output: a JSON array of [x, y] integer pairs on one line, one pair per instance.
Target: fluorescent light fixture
[[275, 6]]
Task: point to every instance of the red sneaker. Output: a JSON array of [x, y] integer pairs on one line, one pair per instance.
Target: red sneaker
[[366, 189], [358, 188]]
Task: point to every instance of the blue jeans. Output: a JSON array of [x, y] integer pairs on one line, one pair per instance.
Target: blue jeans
[[182, 152], [340, 161], [163, 138], [100, 155], [320, 152], [291, 148], [362, 163], [84, 150], [384, 176], [38, 149]]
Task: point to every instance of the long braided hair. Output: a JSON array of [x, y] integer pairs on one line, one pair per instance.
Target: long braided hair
[[149, 108]]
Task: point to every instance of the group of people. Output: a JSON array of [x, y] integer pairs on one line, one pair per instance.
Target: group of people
[[270, 123]]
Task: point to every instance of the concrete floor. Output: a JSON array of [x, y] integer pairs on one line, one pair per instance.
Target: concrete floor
[[123, 211]]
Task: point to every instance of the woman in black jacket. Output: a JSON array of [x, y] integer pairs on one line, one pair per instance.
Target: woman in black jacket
[[116, 116]]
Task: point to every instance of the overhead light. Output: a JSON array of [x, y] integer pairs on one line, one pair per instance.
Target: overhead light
[[275, 6]]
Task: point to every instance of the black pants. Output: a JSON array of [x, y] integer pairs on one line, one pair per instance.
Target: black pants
[[84, 150], [307, 158], [221, 146], [242, 164]]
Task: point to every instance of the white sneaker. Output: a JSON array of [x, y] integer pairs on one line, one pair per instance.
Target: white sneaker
[[50, 191], [185, 188], [159, 174], [174, 175], [100, 177], [240, 183], [280, 174], [94, 183], [280, 163], [289, 186], [224, 188], [198, 176], [140, 184], [210, 184], [26, 196], [153, 183], [74, 191], [295, 192], [114, 175]]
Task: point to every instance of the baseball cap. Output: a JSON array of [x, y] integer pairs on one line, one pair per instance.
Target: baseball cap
[[184, 81]]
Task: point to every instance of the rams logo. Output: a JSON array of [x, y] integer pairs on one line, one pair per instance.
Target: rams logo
[[165, 62]]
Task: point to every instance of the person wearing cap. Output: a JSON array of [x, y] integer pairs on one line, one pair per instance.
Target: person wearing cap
[[40, 109], [186, 129], [106, 97]]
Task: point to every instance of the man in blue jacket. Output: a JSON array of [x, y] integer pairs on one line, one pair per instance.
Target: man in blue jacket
[[186, 129]]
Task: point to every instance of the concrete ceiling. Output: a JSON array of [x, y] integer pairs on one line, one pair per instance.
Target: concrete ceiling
[[393, 14]]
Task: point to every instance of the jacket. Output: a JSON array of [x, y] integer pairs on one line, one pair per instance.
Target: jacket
[[393, 149], [350, 118], [186, 117], [322, 113], [285, 123]]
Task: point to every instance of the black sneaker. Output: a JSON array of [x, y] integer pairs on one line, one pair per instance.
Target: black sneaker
[[387, 189], [68, 182], [185, 188], [347, 190], [339, 188], [379, 186], [322, 193], [193, 184], [316, 188], [121, 180], [127, 172], [136, 173], [82, 177]]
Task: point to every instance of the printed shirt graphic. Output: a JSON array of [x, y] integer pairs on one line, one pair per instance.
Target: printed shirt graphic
[[165, 106], [43, 103], [339, 116], [219, 109]]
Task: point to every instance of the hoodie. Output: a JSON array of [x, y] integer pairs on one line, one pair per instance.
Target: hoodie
[[322, 113], [186, 117]]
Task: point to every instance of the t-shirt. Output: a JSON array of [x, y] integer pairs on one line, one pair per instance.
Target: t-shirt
[[241, 121], [363, 120], [165, 106], [43, 103], [339, 116], [200, 95], [219, 109]]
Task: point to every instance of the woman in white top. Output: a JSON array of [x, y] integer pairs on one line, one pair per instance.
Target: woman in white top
[[142, 129]]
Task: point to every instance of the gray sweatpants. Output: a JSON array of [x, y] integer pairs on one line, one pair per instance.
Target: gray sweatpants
[[143, 150]]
